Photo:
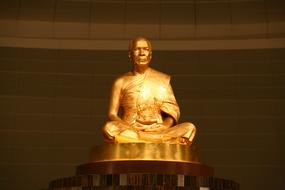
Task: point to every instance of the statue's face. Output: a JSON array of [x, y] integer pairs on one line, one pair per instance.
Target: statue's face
[[141, 53]]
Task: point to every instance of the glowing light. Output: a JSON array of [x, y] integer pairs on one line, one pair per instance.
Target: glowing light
[[145, 92], [161, 92]]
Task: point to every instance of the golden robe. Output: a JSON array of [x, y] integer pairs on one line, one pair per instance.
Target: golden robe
[[145, 100]]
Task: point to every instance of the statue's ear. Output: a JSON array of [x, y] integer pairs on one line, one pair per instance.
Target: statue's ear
[[150, 54], [130, 55]]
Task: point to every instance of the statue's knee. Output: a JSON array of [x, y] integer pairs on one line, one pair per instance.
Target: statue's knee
[[106, 127], [191, 126], [110, 128]]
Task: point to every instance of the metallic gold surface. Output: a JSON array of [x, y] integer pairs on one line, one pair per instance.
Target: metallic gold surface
[[143, 107], [144, 151]]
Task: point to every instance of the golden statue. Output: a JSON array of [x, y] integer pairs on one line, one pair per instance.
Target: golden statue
[[143, 108]]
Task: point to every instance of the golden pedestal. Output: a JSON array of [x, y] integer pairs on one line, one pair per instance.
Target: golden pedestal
[[143, 166], [144, 151], [144, 158]]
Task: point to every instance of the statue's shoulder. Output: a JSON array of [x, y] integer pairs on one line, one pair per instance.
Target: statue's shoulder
[[122, 78], [128, 74], [125, 76], [159, 75]]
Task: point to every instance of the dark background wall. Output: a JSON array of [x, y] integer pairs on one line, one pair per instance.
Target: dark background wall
[[58, 59]]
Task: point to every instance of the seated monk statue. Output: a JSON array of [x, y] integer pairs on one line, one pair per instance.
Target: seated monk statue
[[143, 107]]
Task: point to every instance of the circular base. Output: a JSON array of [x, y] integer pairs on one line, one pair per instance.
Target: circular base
[[144, 151], [143, 166], [144, 158]]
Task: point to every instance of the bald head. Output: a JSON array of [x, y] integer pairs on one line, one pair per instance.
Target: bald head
[[133, 42]]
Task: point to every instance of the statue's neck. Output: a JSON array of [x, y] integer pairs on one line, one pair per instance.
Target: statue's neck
[[141, 70]]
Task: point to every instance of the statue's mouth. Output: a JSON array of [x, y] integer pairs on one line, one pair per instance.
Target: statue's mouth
[[142, 59]]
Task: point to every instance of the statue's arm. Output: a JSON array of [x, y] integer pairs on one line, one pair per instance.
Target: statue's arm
[[115, 100], [170, 108]]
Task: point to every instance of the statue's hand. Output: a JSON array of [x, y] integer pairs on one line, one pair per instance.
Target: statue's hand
[[156, 128], [146, 122], [167, 123], [140, 127]]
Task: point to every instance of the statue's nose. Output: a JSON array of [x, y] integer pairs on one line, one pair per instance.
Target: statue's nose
[[141, 52]]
